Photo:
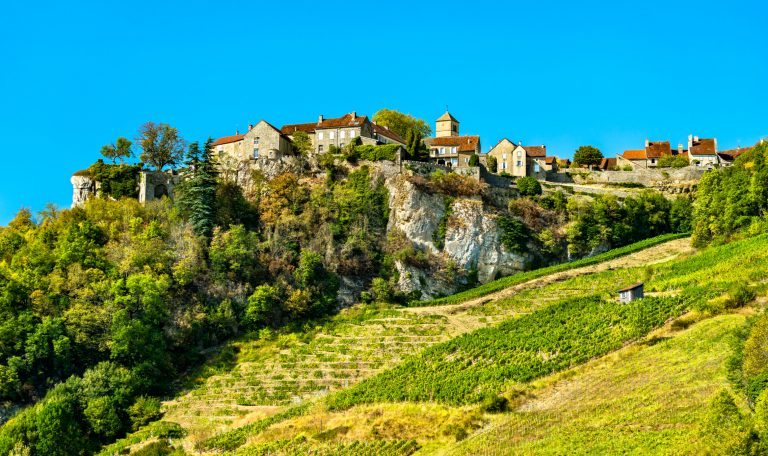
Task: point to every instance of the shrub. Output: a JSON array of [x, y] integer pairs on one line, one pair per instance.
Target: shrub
[[144, 411], [514, 234], [456, 185], [377, 153], [494, 404], [529, 186], [116, 181], [672, 161]]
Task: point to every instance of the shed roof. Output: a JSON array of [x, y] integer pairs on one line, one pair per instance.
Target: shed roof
[[632, 287]]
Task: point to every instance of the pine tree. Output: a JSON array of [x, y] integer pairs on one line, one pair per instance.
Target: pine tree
[[198, 195]]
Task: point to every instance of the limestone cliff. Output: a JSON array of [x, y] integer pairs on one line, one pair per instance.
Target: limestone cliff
[[472, 239]]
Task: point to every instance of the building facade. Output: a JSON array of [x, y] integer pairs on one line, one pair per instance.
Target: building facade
[[702, 152], [448, 147], [520, 161]]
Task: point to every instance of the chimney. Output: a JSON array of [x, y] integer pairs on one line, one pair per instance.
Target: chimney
[[353, 114], [695, 139], [519, 143], [680, 148], [237, 132], [320, 119], [646, 142], [690, 141], [250, 127]]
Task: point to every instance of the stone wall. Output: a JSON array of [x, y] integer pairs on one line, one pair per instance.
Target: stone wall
[[83, 187], [156, 184], [670, 180]]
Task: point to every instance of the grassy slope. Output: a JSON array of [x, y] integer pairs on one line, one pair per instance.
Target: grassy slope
[[643, 399], [654, 421]]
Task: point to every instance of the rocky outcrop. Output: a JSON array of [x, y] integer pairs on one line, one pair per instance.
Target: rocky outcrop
[[83, 187], [473, 240]]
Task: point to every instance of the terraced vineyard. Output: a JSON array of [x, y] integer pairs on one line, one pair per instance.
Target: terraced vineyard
[[290, 368], [275, 372]]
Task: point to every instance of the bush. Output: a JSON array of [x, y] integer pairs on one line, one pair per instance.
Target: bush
[[529, 186], [494, 404], [117, 181], [455, 185], [514, 234], [377, 153], [672, 161], [144, 411]]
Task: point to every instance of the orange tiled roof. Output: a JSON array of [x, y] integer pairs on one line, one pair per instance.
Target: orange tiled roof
[[536, 151], [657, 149], [550, 160], [732, 154], [607, 163], [293, 128], [344, 121], [464, 143], [704, 146], [227, 140], [634, 154]]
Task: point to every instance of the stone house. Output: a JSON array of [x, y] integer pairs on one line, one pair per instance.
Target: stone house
[[727, 157], [607, 164], [647, 157], [702, 152], [340, 131], [520, 161], [448, 147], [264, 141]]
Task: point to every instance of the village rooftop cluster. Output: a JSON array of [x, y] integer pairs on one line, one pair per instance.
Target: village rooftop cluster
[[451, 149]]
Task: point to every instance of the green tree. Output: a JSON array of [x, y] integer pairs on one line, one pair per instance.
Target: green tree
[[493, 164], [587, 155], [401, 123], [302, 144], [161, 145], [474, 160], [197, 195], [120, 150], [263, 306], [102, 416], [528, 186]]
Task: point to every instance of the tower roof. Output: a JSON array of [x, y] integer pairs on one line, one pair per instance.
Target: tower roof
[[447, 116]]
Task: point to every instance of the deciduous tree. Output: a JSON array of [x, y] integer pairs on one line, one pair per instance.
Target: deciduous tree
[[401, 123], [119, 150], [161, 145]]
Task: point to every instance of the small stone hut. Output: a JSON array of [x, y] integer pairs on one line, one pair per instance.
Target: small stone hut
[[631, 292]]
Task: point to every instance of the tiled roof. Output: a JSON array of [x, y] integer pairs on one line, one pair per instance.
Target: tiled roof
[[344, 121], [464, 143], [732, 154], [227, 140], [657, 149], [536, 151], [634, 154], [447, 116], [550, 160], [384, 131], [704, 146], [293, 128]]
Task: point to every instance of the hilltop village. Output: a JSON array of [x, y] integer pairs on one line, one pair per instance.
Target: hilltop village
[[273, 150]]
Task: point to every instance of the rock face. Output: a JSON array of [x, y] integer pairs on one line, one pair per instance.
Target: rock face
[[82, 188], [472, 239]]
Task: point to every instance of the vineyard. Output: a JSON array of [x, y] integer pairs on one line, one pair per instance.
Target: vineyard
[[505, 282], [300, 447], [477, 365]]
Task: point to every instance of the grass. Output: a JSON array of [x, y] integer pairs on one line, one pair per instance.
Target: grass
[[644, 399], [505, 282]]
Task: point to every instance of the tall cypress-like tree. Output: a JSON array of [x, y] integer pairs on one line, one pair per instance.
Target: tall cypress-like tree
[[198, 196]]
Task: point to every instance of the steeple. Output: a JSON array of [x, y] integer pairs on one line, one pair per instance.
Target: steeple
[[446, 125]]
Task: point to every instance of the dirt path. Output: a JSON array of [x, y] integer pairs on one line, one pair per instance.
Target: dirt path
[[657, 254]]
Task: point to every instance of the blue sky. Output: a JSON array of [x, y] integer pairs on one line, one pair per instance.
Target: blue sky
[[75, 75]]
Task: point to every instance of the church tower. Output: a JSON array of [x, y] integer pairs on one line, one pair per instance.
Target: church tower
[[446, 125]]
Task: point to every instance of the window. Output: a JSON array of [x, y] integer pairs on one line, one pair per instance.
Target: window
[[320, 135], [519, 153], [434, 151], [503, 156], [442, 151], [519, 163], [352, 133], [256, 147], [454, 161], [320, 147], [536, 168], [466, 159], [343, 134], [331, 134], [341, 144], [503, 165], [454, 127], [453, 150]]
